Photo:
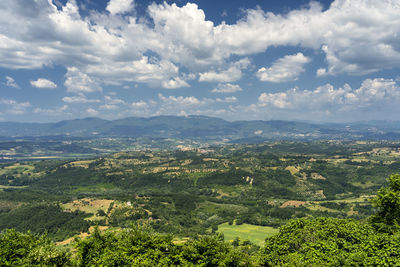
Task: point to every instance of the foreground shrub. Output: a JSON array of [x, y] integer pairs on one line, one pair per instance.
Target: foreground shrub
[[330, 242], [138, 246], [18, 249]]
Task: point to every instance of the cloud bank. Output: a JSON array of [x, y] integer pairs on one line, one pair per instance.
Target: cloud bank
[[356, 37]]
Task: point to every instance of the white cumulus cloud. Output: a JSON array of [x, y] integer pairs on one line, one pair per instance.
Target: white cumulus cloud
[[374, 95], [355, 36], [284, 69], [229, 99], [181, 100], [230, 75], [233, 73], [79, 82], [10, 82], [43, 83], [139, 105], [13, 107], [175, 83], [226, 88], [91, 112], [321, 72], [53, 111], [120, 6], [80, 99], [109, 107], [113, 101]]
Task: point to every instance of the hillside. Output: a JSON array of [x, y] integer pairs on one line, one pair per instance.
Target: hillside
[[228, 198], [300, 242], [192, 191]]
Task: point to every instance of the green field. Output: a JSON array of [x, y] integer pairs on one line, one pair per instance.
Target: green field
[[254, 233], [2, 187]]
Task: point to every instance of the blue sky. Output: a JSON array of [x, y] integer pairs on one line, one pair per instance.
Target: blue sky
[[333, 61]]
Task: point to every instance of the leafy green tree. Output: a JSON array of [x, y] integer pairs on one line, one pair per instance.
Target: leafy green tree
[[18, 249], [139, 246], [330, 242], [387, 202], [129, 247], [213, 251]]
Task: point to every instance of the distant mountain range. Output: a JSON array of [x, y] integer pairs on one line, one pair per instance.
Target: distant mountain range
[[205, 128]]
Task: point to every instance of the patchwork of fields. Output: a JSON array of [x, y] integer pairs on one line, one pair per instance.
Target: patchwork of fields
[[244, 191]]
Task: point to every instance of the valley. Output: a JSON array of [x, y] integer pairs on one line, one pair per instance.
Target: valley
[[190, 190]]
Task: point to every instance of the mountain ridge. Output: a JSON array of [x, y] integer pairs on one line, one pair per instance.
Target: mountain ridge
[[204, 127]]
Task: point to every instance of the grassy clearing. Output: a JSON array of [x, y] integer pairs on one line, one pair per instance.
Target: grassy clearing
[[11, 186], [180, 241], [103, 187], [17, 170], [365, 185], [293, 170], [67, 243], [361, 199], [336, 160], [321, 208], [254, 233], [81, 163], [293, 203], [352, 211], [20, 167], [5, 205], [88, 205]]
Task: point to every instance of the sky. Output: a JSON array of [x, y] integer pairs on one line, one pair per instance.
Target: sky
[[323, 61]]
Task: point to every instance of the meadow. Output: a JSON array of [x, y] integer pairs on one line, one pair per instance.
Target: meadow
[[254, 233]]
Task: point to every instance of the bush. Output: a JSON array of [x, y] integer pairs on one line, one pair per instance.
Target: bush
[[133, 246], [387, 202], [330, 242], [18, 249]]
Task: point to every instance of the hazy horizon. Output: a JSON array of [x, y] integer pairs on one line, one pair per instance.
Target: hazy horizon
[[214, 117]]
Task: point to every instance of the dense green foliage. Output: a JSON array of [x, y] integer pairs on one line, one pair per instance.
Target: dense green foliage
[[17, 249], [45, 218], [331, 242], [388, 203], [132, 246], [300, 242], [140, 247], [187, 192], [339, 242]]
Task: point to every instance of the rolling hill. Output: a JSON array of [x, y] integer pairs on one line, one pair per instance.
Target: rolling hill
[[205, 128]]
